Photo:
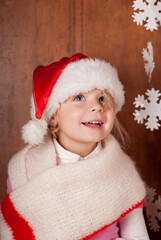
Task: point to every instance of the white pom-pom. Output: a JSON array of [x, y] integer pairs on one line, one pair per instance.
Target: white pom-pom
[[33, 132]]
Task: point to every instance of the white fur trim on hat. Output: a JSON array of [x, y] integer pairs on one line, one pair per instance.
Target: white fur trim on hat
[[77, 77]]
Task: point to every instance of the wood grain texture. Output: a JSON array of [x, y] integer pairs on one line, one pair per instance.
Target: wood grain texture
[[39, 32]]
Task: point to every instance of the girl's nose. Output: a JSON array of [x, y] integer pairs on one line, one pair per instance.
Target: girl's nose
[[96, 107]]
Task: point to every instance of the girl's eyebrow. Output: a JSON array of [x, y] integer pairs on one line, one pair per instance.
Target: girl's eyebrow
[[78, 94], [71, 98], [85, 94]]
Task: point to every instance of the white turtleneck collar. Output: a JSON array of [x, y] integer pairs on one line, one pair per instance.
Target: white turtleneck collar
[[65, 156]]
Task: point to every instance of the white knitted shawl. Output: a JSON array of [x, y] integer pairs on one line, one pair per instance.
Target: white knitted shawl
[[71, 201]]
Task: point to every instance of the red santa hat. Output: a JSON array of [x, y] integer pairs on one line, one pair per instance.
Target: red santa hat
[[55, 83]]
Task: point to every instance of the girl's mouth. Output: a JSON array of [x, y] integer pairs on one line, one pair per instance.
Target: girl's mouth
[[93, 124]]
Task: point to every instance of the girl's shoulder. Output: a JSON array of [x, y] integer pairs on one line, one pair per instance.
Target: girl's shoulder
[[30, 161], [16, 168]]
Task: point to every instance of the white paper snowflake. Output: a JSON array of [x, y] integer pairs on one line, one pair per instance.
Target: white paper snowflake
[[148, 58], [149, 110], [149, 12], [153, 209]]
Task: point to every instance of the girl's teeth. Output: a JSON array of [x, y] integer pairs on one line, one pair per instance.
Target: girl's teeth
[[93, 122]]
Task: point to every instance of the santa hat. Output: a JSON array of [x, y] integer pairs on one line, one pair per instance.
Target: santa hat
[[54, 84]]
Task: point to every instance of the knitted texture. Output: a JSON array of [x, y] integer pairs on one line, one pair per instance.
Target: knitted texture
[[74, 201], [20, 227]]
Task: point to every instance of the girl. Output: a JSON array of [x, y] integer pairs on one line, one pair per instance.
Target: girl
[[73, 181]]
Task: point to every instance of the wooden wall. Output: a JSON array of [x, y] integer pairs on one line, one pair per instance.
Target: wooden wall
[[36, 32]]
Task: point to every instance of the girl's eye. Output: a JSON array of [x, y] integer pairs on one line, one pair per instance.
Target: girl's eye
[[102, 99], [79, 98]]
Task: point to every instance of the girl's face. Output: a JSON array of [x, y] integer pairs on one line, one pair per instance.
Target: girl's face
[[84, 120]]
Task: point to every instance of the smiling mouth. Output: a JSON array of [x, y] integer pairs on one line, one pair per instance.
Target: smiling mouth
[[93, 124]]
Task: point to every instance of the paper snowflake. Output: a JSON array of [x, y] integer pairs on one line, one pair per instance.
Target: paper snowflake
[[149, 12], [148, 58], [153, 209], [150, 110]]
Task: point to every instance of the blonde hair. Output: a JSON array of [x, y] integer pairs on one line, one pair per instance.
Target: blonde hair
[[121, 134], [53, 126], [118, 130]]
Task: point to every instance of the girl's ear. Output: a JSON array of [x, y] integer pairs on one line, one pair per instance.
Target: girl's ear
[[53, 121]]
